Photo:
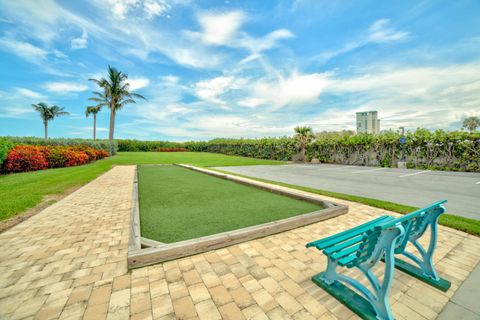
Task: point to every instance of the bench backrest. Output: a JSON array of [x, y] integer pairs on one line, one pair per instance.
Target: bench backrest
[[410, 227], [416, 223]]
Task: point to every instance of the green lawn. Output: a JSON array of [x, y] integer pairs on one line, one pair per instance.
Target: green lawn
[[21, 191], [179, 204]]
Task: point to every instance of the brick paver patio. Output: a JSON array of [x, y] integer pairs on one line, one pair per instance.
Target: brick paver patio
[[70, 261]]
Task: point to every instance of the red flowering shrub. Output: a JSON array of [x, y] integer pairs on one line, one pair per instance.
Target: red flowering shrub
[[55, 156], [25, 158], [171, 150], [31, 158], [100, 154]]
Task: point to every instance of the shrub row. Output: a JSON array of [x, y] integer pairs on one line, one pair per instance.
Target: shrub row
[[111, 147], [145, 146], [265, 148], [171, 150], [424, 149], [22, 158]]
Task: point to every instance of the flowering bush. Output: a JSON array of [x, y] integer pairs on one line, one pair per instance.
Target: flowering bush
[[25, 158], [110, 146], [171, 150], [31, 158]]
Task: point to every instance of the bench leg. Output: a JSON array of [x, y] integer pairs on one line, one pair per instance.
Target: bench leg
[[369, 304], [424, 269]]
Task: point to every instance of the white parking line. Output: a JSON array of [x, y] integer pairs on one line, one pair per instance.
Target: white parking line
[[324, 168], [478, 182], [362, 171], [413, 174]]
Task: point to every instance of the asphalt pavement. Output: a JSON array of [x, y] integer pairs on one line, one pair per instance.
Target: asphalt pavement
[[405, 186]]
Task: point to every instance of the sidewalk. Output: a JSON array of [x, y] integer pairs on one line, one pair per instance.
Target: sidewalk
[[464, 303]]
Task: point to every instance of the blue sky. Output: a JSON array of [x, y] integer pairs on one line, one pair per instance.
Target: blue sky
[[240, 68]]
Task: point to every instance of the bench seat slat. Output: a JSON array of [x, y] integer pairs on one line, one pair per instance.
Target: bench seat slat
[[345, 262], [350, 250], [342, 245], [345, 235]]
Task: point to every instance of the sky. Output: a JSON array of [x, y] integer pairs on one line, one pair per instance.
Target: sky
[[240, 68]]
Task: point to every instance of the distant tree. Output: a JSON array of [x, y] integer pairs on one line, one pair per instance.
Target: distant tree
[[93, 110], [48, 113], [471, 123], [303, 136], [117, 94]]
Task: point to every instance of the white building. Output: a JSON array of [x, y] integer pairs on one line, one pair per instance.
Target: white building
[[367, 122]]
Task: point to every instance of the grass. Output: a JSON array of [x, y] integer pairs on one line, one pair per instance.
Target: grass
[[471, 226], [179, 204], [21, 191]]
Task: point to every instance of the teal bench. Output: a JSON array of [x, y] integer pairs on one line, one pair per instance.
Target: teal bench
[[364, 246]]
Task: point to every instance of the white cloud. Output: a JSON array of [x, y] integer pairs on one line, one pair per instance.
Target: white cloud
[[138, 83], [79, 43], [64, 87], [263, 43], [154, 8], [211, 90], [219, 28], [292, 90], [380, 32], [15, 112], [224, 29], [24, 50], [170, 79], [27, 93], [151, 8]]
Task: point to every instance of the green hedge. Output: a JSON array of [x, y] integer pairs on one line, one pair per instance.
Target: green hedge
[[5, 146], [265, 148], [424, 149], [95, 144], [145, 146]]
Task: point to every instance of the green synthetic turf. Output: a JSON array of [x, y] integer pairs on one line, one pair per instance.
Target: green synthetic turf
[[21, 191], [179, 204]]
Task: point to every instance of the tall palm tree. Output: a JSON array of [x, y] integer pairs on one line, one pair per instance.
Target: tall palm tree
[[48, 113], [117, 94], [101, 100], [471, 123], [93, 110]]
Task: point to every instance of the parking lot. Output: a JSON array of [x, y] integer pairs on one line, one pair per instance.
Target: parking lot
[[405, 186]]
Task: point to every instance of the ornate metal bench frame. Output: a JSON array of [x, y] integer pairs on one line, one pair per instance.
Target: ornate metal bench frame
[[381, 239]]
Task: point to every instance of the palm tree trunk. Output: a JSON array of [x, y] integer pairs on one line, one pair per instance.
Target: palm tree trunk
[[94, 126], [112, 119], [112, 124], [45, 123]]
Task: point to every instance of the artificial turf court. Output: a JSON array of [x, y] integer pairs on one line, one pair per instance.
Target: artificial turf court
[[179, 204]]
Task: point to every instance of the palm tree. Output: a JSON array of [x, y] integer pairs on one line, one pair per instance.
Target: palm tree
[[117, 94], [303, 136], [471, 123], [48, 113], [93, 110]]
